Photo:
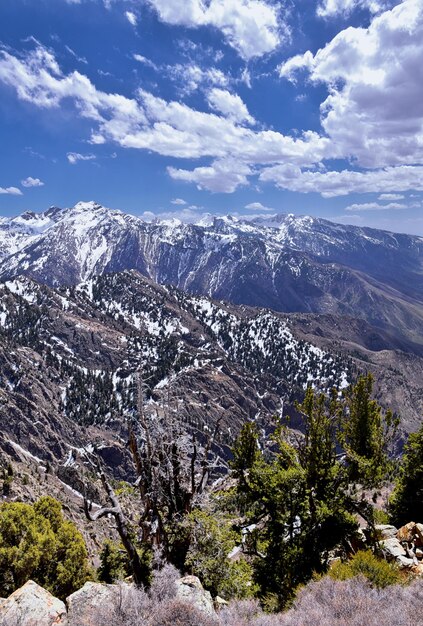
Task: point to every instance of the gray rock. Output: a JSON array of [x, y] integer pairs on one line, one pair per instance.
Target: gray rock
[[386, 531], [94, 600], [190, 589], [392, 549], [404, 562], [31, 605]]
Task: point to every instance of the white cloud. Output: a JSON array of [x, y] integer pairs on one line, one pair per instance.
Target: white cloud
[[178, 201], [343, 8], [330, 184], [131, 17], [32, 182], [390, 196], [374, 206], [223, 176], [76, 56], [374, 77], [252, 27], [148, 62], [257, 206], [189, 77], [332, 8], [74, 157], [13, 191], [229, 104], [188, 215]]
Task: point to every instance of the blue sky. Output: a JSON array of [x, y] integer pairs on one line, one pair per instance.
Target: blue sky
[[221, 106]]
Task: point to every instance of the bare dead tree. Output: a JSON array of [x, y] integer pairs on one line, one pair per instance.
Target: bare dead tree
[[122, 526], [172, 469]]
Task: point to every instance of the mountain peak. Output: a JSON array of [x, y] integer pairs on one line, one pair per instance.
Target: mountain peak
[[91, 205]]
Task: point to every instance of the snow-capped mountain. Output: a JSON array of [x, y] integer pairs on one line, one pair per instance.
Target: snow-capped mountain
[[284, 262]]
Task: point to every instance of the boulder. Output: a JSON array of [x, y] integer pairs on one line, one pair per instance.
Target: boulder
[[407, 532], [92, 601], [404, 562], [31, 605], [392, 549], [419, 535], [386, 531], [190, 589]]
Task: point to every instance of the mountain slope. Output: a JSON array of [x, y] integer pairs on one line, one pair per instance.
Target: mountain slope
[[69, 360], [286, 263]]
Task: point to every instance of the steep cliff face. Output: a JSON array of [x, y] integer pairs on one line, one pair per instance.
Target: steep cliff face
[[287, 263]]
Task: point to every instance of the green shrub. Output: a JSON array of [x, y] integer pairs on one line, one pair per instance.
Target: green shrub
[[114, 563], [211, 540], [378, 572], [37, 543]]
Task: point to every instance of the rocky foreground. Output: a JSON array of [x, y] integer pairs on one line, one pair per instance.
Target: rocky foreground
[[176, 601]]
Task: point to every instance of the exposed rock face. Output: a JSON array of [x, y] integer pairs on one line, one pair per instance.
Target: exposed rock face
[[190, 589], [31, 605]]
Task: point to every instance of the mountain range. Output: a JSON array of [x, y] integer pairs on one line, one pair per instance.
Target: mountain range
[[283, 262], [96, 293]]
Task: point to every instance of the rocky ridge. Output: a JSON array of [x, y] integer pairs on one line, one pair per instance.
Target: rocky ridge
[[284, 262]]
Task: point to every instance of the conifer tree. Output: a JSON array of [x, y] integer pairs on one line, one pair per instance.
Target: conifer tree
[[406, 503]]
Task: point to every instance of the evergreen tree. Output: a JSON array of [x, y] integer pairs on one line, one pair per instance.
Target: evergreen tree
[[406, 503], [37, 543], [300, 497], [366, 432]]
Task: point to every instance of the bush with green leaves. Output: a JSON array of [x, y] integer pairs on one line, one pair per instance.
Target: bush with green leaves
[[211, 540], [37, 543], [378, 572], [115, 564]]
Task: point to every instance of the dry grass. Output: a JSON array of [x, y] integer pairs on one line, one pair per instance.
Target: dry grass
[[327, 602]]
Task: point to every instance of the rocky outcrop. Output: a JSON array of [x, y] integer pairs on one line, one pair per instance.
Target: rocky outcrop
[[93, 600], [403, 546], [98, 604], [31, 605], [190, 589]]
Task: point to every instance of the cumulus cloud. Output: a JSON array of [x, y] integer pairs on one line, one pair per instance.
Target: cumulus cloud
[[189, 77], [32, 182], [377, 133], [375, 81], [223, 176], [257, 206], [178, 201], [375, 206], [13, 191], [252, 27], [74, 157], [330, 184], [333, 8], [390, 196], [229, 104]]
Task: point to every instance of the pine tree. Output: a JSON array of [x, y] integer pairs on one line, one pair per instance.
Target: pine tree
[[366, 433], [406, 503]]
